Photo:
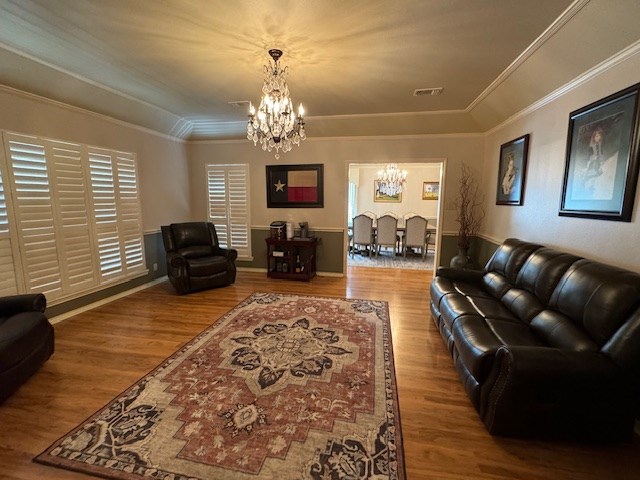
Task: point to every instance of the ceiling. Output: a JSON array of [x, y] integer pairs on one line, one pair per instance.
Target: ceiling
[[174, 65]]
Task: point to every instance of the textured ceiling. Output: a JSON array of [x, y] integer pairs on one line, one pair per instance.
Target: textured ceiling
[[174, 65]]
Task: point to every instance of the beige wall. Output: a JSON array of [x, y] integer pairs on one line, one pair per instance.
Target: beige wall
[[537, 220], [336, 155], [164, 180], [411, 199]]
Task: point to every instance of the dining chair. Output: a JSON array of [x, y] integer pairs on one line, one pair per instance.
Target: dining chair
[[415, 235], [362, 233], [386, 234]]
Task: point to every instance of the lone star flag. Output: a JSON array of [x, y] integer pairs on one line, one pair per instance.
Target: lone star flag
[[293, 185]]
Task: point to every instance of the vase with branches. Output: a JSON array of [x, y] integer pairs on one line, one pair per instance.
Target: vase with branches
[[470, 207]]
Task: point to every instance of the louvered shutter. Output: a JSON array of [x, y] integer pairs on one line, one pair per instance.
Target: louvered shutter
[[7, 271], [130, 214], [34, 213], [229, 206], [72, 217], [218, 211], [103, 192]]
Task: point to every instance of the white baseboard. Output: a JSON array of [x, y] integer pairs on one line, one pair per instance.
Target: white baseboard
[[104, 301]]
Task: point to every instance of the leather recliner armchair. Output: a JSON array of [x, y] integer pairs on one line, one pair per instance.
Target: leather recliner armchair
[[26, 340], [195, 261]]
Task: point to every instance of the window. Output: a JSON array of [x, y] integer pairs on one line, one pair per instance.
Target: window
[[228, 194], [7, 273], [77, 215], [351, 205]]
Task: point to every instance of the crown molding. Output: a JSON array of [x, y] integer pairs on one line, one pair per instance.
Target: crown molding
[[602, 67], [73, 108], [560, 22]]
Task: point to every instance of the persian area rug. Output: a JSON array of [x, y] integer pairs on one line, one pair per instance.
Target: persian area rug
[[281, 387]]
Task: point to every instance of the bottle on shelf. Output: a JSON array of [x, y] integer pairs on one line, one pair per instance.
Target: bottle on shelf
[[298, 267]]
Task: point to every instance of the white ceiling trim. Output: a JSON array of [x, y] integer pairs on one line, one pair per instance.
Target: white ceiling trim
[[101, 116], [602, 67], [560, 22], [87, 80]]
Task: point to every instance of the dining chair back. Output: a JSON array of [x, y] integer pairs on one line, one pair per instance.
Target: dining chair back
[[415, 235], [362, 232], [386, 233]]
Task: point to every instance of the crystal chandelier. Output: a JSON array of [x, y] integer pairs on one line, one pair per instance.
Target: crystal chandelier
[[392, 180], [275, 125]]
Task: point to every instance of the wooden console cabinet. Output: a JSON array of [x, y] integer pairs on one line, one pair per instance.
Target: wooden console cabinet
[[293, 259]]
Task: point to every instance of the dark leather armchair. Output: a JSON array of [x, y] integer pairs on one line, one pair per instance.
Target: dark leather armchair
[[195, 261], [26, 340]]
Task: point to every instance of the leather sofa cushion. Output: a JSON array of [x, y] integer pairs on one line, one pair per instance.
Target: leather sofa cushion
[[522, 304], [560, 332], [196, 251], [542, 271], [478, 339], [509, 258], [597, 297], [207, 266], [20, 335]]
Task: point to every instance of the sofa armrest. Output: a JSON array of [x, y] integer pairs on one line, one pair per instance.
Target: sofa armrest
[[460, 275], [32, 302], [542, 390]]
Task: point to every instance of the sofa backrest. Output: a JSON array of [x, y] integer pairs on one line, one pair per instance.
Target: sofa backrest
[[190, 239], [571, 302]]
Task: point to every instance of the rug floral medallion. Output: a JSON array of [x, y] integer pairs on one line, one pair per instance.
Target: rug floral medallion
[[281, 387]]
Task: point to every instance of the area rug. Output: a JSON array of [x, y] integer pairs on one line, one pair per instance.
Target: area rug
[[388, 260], [281, 387]]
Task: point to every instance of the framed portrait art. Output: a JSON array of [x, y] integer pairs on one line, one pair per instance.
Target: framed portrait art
[[512, 171], [601, 168], [379, 196], [295, 186]]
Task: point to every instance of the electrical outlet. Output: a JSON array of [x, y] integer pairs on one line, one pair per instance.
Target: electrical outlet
[[155, 267]]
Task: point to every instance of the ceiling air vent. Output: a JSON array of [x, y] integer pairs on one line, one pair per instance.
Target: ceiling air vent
[[420, 92]]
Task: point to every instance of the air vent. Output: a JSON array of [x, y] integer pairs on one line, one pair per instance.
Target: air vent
[[240, 103], [419, 92]]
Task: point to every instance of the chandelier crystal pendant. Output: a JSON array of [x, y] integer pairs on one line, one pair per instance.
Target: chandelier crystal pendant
[[392, 180], [275, 125]]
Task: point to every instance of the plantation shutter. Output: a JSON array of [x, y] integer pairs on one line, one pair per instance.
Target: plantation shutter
[[103, 190], [130, 214], [7, 272], [72, 215], [228, 192], [34, 214]]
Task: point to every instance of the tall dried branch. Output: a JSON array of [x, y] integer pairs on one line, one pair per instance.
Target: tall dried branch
[[470, 206]]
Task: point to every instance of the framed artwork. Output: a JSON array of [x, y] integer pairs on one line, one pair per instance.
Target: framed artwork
[[295, 186], [430, 190], [601, 168], [512, 171], [379, 196]]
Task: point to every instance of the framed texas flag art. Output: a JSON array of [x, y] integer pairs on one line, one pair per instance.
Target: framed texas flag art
[[297, 186]]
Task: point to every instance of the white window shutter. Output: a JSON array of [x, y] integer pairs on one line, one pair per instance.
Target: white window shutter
[[103, 192], [72, 217], [34, 213], [7, 271], [130, 214], [218, 211], [228, 191], [237, 179]]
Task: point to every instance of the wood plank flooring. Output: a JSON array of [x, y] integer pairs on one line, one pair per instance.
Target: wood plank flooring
[[101, 352]]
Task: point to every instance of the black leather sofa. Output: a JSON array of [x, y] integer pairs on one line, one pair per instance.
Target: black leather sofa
[[195, 260], [26, 340], [547, 344]]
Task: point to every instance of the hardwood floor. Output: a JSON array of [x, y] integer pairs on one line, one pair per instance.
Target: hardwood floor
[[101, 352]]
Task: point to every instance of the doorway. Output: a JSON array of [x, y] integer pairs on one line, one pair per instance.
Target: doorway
[[421, 196]]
